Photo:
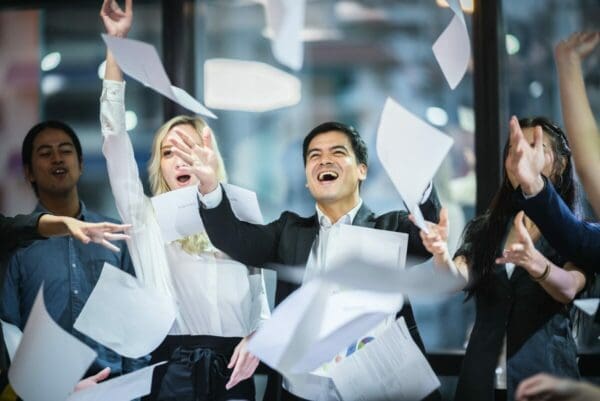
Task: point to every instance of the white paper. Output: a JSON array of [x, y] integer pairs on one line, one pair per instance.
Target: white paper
[[589, 306], [124, 316], [141, 62], [248, 86], [285, 18], [178, 215], [123, 388], [411, 151], [452, 49], [12, 338], [423, 281], [311, 326], [49, 362], [379, 247], [389, 368]]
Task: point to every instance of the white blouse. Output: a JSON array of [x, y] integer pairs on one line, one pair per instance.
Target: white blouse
[[214, 294]]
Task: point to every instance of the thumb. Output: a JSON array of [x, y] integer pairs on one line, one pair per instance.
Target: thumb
[[207, 137], [102, 375], [520, 227], [444, 218]]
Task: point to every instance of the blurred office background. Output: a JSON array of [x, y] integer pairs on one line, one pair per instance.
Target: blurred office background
[[356, 54]]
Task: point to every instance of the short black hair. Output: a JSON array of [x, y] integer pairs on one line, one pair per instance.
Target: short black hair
[[359, 147], [27, 147]]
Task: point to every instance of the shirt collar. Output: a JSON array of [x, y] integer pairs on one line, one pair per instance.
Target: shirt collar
[[82, 210], [348, 218]]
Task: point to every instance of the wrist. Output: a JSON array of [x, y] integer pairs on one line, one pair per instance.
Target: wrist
[[533, 188]]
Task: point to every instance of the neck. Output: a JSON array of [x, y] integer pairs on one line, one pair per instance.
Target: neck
[[61, 205], [335, 210]]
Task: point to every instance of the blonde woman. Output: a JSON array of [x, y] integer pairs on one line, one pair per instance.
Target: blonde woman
[[220, 302]]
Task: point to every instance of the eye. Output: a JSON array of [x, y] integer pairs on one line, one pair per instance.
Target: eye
[[44, 154], [167, 152]]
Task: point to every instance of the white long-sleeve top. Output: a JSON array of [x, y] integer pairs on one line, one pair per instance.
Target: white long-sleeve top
[[214, 294]]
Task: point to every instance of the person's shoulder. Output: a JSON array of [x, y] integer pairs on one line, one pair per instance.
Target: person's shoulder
[[290, 217]]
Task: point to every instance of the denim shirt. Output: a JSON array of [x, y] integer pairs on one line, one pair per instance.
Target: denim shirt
[[69, 271]]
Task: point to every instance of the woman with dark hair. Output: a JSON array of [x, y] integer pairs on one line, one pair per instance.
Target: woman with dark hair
[[522, 324]]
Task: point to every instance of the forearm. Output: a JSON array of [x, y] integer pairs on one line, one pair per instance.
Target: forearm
[[17, 230], [580, 125], [561, 284], [52, 226]]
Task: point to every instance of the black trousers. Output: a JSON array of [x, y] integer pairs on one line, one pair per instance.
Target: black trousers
[[196, 370]]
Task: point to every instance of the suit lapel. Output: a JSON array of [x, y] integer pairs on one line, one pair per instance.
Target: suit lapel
[[364, 217], [305, 237]]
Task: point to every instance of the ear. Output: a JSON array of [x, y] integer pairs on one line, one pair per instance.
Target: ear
[[362, 171]]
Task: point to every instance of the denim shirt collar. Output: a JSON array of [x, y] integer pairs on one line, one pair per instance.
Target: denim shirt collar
[[82, 210]]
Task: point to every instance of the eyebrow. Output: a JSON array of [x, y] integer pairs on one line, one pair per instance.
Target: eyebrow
[[336, 147]]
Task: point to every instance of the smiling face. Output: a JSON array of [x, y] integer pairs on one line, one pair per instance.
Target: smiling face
[[332, 172], [171, 164], [55, 167]]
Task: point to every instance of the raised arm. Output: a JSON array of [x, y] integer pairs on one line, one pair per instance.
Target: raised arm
[[580, 124]]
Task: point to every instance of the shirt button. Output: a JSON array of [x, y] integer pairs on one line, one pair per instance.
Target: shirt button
[[73, 265], [75, 292]]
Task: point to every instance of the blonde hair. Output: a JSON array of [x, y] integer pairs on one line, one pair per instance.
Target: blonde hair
[[198, 243]]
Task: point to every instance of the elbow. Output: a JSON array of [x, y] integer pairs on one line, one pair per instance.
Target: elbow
[[567, 296]]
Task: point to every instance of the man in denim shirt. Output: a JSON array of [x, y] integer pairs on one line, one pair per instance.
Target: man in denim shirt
[[68, 269]]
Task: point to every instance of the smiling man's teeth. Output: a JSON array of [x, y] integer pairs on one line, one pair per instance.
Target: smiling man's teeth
[[327, 176]]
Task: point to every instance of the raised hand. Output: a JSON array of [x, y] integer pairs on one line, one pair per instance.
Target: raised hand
[[576, 47], [524, 161], [99, 233], [550, 388], [243, 363], [436, 240], [522, 252], [201, 160], [116, 21]]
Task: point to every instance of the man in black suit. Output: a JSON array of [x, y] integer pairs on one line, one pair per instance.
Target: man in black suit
[[335, 158]]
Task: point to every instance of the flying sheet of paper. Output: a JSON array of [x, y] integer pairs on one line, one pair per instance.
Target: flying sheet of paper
[[248, 86], [379, 247], [589, 306], [141, 62], [49, 362], [124, 316], [389, 368], [423, 281], [178, 216], [452, 49], [310, 326], [411, 151], [286, 19], [12, 338], [123, 388]]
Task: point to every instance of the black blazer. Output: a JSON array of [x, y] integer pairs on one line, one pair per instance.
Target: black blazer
[[288, 241], [15, 232]]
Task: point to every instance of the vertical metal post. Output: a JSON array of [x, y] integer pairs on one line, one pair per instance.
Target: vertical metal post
[[491, 99]]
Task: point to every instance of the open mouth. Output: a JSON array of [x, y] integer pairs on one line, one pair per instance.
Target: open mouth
[[60, 171], [326, 176], [183, 178]]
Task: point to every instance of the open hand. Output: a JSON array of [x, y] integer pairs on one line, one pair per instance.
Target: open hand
[[243, 363], [116, 21], [525, 162], [577, 46], [100, 233]]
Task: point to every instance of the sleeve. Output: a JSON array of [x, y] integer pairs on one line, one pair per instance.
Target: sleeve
[[9, 306], [250, 244], [145, 245], [131, 365], [260, 305], [576, 240], [17, 231], [431, 212]]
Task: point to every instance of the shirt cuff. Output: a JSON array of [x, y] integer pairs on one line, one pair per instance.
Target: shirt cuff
[[212, 199], [426, 193]]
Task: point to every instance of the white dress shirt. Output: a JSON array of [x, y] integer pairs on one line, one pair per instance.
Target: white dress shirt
[[215, 295]]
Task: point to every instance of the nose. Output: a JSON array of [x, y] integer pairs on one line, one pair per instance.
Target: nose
[[179, 162], [57, 158]]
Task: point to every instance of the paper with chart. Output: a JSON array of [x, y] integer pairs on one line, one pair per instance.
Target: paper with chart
[[411, 151], [452, 49], [141, 62], [285, 19], [125, 316], [48, 357], [389, 368], [178, 215], [123, 388]]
